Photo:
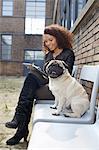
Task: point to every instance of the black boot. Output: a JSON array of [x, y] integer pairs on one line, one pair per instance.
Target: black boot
[[24, 107], [18, 136], [22, 132], [14, 123], [25, 101]]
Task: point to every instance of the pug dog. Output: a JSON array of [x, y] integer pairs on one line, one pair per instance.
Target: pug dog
[[70, 97]]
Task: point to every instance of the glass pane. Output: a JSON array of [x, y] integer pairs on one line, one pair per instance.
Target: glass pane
[[40, 9], [36, 15], [30, 4], [40, 4], [28, 26], [7, 8], [6, 54], [30, 13], [35, 10], [72, 13], [30, 9], [39, 55], [34, 26], [7, 3], [41, 0], [6, 46], [35, 0], [39, 25], [40, 13], [80, 5], [7, 39], [6, 57], [29, 55], [7, 13]]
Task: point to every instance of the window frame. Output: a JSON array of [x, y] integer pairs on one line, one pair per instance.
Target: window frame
[[34, 55], [10, 10], [71, 17], [9, 56], [39, 17]]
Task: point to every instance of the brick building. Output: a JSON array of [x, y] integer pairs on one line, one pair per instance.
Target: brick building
[[82, 18], [16, 46]]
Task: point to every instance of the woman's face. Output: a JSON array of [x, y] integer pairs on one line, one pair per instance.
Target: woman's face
[[50, 42]]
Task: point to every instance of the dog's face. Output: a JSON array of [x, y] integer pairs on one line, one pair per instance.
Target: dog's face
[[55, 68]]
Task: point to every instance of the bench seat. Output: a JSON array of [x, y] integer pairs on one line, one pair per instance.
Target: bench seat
[[64, 136], [43, 113], [65, 133]]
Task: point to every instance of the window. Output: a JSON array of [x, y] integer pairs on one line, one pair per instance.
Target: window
[[7, 8], [72, 12], [6, 43], [39, 55], [80, 5], [35, 16], [73, 9], [32, 55], [29, 55]]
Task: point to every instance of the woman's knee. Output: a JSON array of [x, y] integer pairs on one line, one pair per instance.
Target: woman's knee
[[31, 77]]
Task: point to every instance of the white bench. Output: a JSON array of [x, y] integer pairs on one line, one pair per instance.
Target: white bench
[[42, 111], [67, 136], [61, 133]]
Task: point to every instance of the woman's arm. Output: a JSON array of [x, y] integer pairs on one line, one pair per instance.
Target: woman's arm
[[70, 61]]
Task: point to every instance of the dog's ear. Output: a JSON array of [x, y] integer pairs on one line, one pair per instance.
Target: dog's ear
[[65, 65], [45, 65]]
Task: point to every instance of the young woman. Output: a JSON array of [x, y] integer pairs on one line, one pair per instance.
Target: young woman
[[57, 44]]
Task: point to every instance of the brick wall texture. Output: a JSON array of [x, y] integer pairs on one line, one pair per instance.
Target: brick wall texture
[[86, 39], [15, 26], [85, 44]]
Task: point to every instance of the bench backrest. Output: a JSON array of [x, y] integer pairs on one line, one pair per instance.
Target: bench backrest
[[91, 73], [74, 71]]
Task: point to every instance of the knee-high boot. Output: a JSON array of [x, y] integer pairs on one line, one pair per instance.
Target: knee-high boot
[[22, 132], [23, 110], [25, 102]]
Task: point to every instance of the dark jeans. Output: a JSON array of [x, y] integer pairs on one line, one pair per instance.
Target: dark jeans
[[25, 103]]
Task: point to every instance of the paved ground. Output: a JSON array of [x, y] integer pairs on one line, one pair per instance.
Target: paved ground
[[9, 92]]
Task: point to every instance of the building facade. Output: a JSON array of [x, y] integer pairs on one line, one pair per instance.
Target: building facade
[[81, 17], [16, 46]]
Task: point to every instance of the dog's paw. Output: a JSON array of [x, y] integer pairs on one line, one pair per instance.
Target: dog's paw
[[55, 114], [53, 107], [66, 115]]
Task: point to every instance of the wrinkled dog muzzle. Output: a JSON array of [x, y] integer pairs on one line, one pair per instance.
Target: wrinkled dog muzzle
[[55, 69]]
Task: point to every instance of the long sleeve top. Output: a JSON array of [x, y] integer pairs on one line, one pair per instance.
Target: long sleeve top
[[67, 55]]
